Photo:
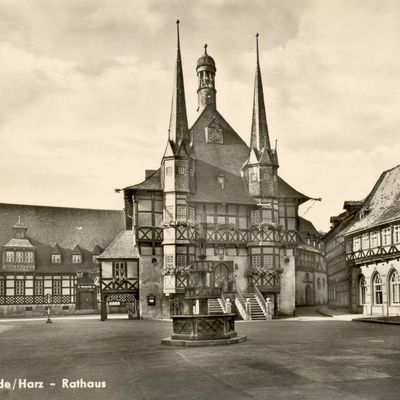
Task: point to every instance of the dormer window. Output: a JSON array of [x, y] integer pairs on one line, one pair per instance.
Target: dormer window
[[9, 256], [29, 257], [221, 181], [19, 256], [253, 177], [56, 258], [168, 171], [76, 259], [94, 259]]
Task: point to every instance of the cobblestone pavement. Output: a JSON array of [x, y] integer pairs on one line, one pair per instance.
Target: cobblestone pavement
[[314, 359]]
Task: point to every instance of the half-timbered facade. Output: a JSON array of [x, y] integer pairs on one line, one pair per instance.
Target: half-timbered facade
[[339, 274], [373, 249], [48, 257], [219, 204]]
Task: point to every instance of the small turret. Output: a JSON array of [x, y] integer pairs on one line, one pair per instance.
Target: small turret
[[206, 70]]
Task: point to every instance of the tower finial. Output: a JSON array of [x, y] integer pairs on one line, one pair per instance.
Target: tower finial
[[205, 49], [178, 127], [259, 128], [258, 56], [177, 33]]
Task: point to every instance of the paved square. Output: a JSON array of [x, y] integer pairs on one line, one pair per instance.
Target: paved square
[[321, 359]]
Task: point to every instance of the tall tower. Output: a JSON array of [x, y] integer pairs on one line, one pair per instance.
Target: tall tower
[[177, 168], [261, 168], [206, 70], [177, 172]]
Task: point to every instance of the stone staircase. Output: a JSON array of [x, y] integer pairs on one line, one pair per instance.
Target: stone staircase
[[214, 307], [256, 310]]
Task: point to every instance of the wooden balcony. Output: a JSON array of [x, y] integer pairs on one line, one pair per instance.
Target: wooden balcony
[[149, 234], [126, 285]]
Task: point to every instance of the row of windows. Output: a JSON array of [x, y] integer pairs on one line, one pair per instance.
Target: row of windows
[[375, 239], [19, 256], [75, 258], [21, 287], [28, 257], [180, 170], [377, 289], [265, 177], [263, 216]]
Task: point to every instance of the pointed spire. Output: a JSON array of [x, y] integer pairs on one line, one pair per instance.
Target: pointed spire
[[178, 125], [259, 128]]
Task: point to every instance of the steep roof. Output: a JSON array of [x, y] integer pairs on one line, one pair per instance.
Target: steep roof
[[306, 226], [153, 182], [67, 227], [22, 243], [382, 205], [214, 158], [122, 247]]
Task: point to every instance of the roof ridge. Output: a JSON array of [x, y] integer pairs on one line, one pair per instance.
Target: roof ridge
[[59, 207]]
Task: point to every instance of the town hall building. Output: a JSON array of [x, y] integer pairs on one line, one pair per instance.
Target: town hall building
[[215, 204]]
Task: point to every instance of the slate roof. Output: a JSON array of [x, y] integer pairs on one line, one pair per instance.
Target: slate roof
[[153, 182], [382, 205], [22, 243], [122, 247], [306, 226], [66, 227]]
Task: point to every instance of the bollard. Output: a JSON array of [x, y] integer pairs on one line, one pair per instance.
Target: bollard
[[228, 306], [248, 309]]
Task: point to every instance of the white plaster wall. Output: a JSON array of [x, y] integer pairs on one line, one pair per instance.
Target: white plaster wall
[[288, 284], [384, 269]]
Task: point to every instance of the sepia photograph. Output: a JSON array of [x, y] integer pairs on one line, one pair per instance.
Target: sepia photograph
[[199, 200]]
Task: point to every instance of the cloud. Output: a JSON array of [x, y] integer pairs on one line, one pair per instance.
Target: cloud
[[86, 89]]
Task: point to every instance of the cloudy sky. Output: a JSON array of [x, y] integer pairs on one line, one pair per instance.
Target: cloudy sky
[[85, 92]]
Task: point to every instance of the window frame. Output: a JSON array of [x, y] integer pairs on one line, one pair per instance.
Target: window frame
[[394, 288], [377, 286], [76, 258], [362, 284], [119, 269]]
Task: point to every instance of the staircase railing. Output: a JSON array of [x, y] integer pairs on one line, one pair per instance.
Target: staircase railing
[[261, 301], [240, 304], [222, 302]]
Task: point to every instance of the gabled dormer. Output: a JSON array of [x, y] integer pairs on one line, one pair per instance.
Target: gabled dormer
[[56, 254], [95, 253], [77, 255]]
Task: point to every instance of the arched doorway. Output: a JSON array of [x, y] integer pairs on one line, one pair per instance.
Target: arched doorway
[[221, 277], [309, 296]]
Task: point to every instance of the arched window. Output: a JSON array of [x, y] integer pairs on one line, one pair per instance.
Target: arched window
[[319, 283], [395, 287], [307, 276], [363, 290], [378, 293]]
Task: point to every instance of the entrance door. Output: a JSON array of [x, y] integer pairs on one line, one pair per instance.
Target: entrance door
[[221, 273], [309, 299], [86, 300]]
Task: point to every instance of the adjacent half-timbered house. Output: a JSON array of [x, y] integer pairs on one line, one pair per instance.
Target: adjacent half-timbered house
[[48, 257], [373, 249]]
